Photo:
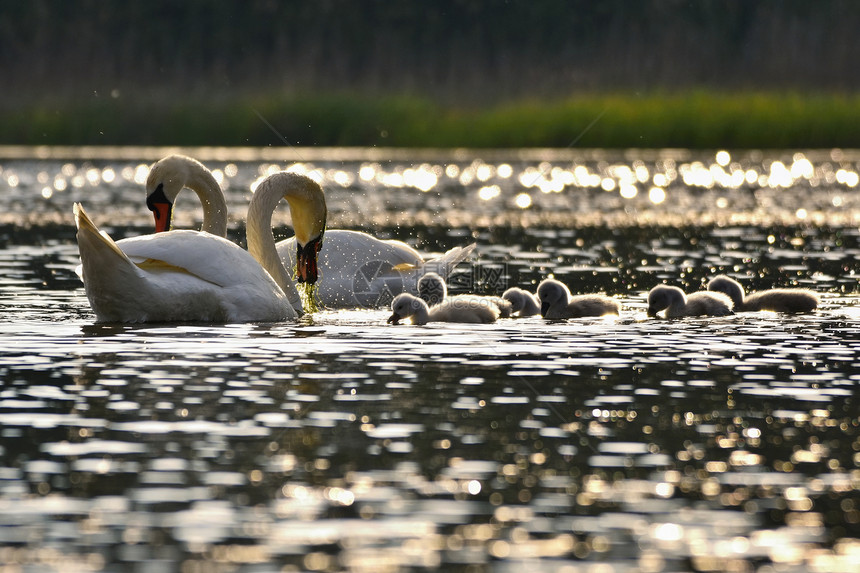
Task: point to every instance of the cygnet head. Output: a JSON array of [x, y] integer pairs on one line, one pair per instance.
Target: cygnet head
[[551, 292], [728, 286], [432, 289], [662, 297], [406, 305], [520, 299]]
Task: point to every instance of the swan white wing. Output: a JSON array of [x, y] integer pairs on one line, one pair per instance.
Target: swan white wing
[[175, 276], [209, 257], [357, 269]]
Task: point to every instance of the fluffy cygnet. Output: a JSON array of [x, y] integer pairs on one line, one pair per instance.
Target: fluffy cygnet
[[777, 300], [470, 310], [557, 302], [433, 290], [523, 303], [677, 304]]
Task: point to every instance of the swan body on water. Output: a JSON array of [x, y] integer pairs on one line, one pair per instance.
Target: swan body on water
[[359, 270], [677, 304], [557, 302], [433, 290], [355, 268], [195, 276], [453, 309], [523, 303], [776, 300]]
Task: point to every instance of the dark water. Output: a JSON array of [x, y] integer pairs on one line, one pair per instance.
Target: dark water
[[340, 443]]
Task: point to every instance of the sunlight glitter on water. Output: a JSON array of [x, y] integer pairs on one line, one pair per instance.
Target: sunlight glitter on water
[[342, 443], [673, 177]]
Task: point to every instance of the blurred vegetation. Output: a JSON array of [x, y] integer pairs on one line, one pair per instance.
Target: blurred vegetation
[[697, 119], [710, 73]]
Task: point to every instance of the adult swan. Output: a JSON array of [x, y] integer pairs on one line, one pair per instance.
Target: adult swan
[[355, 269], [191, 276]]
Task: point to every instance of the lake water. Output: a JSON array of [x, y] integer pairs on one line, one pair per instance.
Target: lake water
[[341, 443]]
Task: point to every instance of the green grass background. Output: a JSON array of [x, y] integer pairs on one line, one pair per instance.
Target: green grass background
[[694, 119]]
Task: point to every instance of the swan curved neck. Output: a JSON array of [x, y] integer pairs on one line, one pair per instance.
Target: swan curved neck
[[307, 208], [203, 183]]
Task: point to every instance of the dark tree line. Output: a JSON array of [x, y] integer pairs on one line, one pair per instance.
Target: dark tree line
[[466, 50]]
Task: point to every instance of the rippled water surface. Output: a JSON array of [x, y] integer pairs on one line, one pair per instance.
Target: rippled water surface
[[341, 443]]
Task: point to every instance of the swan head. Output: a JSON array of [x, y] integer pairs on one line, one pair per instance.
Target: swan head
[[662, 297], [550, 292], [167, 177], [307, 270], [308, 212], [161, 207], [405, 305]]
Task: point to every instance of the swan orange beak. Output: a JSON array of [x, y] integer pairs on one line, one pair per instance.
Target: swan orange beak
[[544, 308], [161, 207], [306, 260], [394, 319]]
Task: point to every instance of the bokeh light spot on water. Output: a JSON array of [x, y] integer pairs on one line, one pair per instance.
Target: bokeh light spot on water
[[489, 193], [523, 200], [140, 173], [656, 195]]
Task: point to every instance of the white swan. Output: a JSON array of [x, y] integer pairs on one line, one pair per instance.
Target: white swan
[[355, 268], [523, 303], [777, 300], [677, 304], [191, 276], [433, 290], [467, 310], [557, 302]]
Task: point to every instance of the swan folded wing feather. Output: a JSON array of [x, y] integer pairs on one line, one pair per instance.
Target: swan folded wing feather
[[208, 257], [445, 263], [97, 247]]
